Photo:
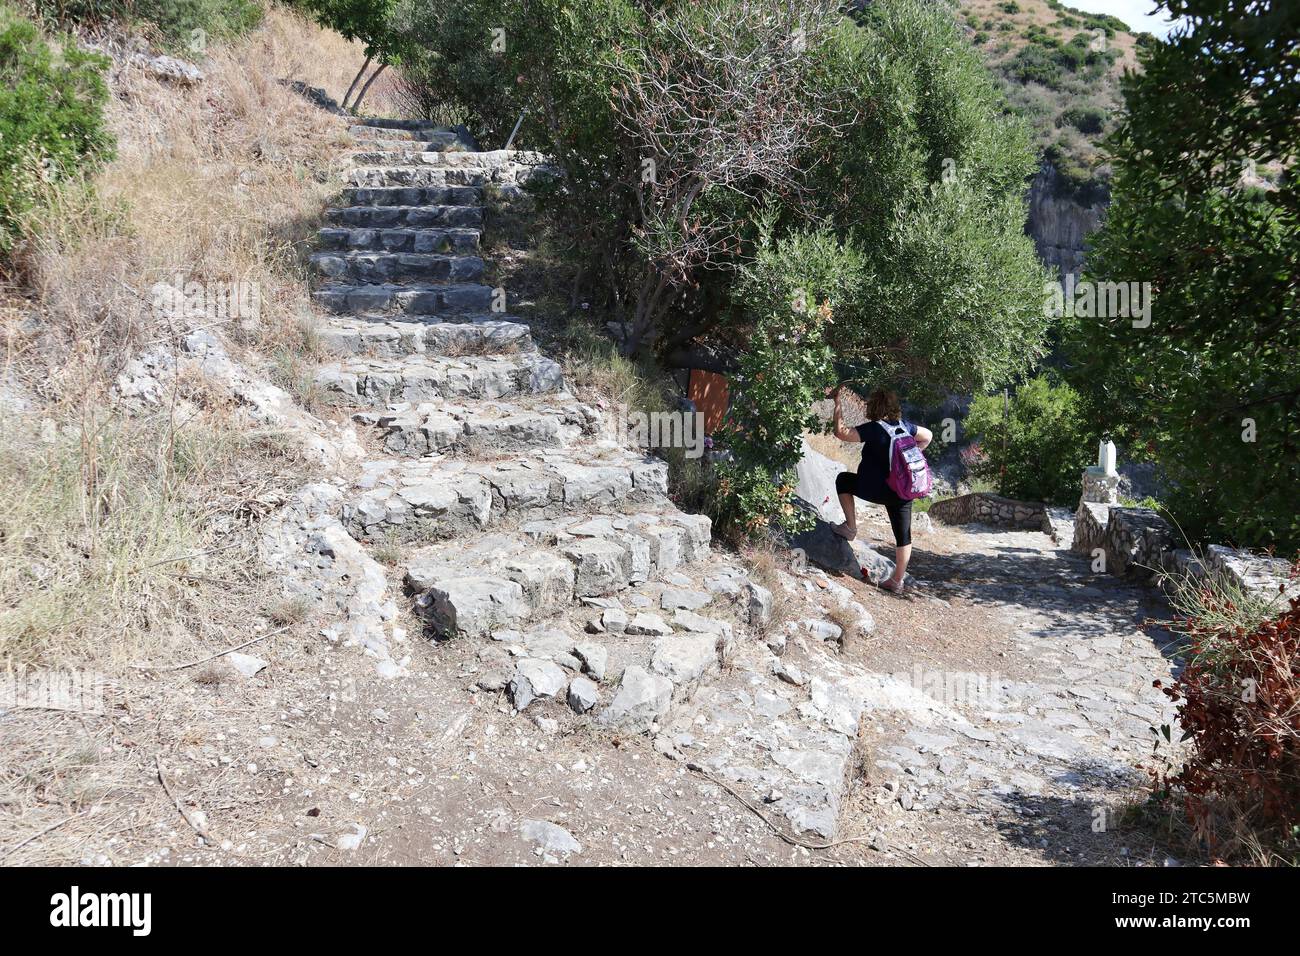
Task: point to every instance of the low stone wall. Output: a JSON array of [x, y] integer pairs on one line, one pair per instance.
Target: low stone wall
[[1136, 541], [1139, 543], [992, 509]]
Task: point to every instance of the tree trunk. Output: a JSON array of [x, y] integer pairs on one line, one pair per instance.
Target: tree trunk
[[362, 95], [355, 80]]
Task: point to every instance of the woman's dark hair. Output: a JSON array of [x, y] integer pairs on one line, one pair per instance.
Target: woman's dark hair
[[882, 404]]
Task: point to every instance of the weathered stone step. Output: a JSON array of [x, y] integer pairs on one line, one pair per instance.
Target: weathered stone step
[[381, 335], [414, 196], [395, 154], [459, 298], [462, 241], [415, 217], [400, 138], [487, 429], [397, 267], [422, 378], [471, 586], [426, 499], [500, 167], [399, 125]]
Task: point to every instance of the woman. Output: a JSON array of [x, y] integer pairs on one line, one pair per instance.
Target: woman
[[869, 483]]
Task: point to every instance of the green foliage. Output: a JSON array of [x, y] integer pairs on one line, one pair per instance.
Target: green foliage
[[1047, 437], [1086, 119], [1217, 365], [372, 22], [52, 96], [174, 20], [1035, 64], [793, 284], [909, 167], [927, 186]]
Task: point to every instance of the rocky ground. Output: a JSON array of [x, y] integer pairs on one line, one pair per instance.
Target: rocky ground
[[515, 649], [318, 759]]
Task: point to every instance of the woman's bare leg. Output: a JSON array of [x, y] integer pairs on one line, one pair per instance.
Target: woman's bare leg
[[849, 528], [902, 554]]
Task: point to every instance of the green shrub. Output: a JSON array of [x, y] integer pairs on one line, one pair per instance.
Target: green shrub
[[1034, 64], [174, 20], [1086, 119], [1039, 449], [1009, 6], [52, 96], [1212, 385]]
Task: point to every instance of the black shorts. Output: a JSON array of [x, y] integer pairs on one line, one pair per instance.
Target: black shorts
[[900, 511]]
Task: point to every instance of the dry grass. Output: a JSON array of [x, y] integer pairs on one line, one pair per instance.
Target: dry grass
[[100, 506], [224, 182]]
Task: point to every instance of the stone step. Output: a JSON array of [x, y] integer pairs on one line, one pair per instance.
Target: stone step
[[380, 335], [473, 585], [484, 429], [428, 499], [396, 267], [403, 138], [389, 154], [423, 378], [399, 125], [414, 196], [414, 217], [456, 299], [462, 241], [783, 730]]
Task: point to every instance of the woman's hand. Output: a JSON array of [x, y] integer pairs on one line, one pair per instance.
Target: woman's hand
[[834, 392]]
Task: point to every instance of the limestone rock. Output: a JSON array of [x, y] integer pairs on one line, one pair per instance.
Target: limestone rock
[[583, 694], [536, 678], [685, 658], [641, 700], [651, 624], [550, 838]]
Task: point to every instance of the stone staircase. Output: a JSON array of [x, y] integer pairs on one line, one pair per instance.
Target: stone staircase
[[517, 522]]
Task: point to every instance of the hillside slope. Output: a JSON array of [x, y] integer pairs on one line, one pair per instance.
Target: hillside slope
[[1060, 69]]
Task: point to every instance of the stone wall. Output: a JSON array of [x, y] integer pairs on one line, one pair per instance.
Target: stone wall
[[992, 509], [1138, 543], [1135, 540]]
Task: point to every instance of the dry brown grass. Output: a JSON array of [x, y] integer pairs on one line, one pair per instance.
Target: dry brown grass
[[106, 513], [223, 182]]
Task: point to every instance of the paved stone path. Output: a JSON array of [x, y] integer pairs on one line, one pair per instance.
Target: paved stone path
[[1040, 675]]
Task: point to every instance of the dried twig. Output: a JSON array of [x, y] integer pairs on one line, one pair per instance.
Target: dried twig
[[213, 657], [37, 835], [195, 825]]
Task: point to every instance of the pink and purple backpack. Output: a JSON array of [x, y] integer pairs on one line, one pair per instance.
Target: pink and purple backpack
[[909, 472]]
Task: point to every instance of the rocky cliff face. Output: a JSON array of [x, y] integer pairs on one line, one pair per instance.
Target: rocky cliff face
[[1059, 223]]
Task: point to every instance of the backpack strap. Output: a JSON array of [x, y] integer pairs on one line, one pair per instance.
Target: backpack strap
[[893, 437]]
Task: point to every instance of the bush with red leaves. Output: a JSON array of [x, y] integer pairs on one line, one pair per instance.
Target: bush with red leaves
[[1239, 704]]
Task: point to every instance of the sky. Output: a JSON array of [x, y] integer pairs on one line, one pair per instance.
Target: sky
[[1136, 13]]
